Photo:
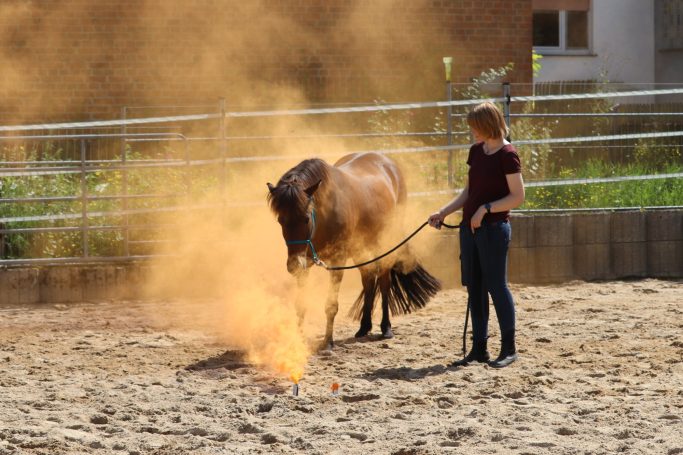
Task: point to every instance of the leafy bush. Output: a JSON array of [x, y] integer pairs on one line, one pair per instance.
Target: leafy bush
[[176, 183]]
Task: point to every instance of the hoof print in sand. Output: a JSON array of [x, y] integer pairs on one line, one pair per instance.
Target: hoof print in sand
[[357, 398], [269, 438], [248, 428]]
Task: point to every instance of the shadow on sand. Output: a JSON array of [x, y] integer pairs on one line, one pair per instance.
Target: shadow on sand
[[372, 338], [231, 359], [406, 373]]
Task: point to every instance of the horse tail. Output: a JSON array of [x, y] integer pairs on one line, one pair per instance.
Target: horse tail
[[409, 290]]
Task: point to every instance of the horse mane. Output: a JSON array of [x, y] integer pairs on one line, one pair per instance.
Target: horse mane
[[289, 193]]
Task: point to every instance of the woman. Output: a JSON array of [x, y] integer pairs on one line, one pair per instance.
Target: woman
[[494, 186]]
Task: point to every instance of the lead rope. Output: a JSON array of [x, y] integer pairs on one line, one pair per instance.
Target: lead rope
[[319, 262], [403, 242]]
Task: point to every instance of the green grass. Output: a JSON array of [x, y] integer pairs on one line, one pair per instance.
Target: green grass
[[640, 193]]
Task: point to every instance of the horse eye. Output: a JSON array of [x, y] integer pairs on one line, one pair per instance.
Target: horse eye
[[306, 219]]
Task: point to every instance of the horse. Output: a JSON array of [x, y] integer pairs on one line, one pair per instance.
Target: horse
[[341, 211]]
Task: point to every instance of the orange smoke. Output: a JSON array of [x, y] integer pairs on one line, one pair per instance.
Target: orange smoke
[[270, 332]]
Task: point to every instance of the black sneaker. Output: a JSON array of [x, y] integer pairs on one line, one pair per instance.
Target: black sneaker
[[481, 357], [503, 360]]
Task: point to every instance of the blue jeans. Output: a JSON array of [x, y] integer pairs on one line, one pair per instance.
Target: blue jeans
[[483, 264]]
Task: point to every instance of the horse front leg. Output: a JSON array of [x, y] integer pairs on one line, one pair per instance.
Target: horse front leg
[[384, 284], [332, 307], [300, 302]]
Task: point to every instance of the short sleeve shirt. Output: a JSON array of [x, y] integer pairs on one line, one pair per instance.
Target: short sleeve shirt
[[487, 179]]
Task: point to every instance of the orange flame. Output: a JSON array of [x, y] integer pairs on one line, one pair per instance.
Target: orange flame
[[296, 377]]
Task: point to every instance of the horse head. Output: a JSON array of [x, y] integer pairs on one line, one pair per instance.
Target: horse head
[[292, 201]]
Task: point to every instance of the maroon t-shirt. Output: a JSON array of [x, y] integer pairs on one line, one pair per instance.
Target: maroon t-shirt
[[487, 181]]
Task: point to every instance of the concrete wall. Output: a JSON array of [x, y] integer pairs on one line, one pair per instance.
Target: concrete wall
[[583, 246], [623, 46], [29, 285], [597, 246], [544, 249]]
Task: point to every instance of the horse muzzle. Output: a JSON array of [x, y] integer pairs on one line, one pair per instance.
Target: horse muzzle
[[297, 264]]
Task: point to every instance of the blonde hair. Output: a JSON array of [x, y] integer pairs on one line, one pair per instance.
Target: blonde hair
[[487, 119]]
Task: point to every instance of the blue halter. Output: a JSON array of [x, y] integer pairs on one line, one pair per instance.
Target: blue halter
[[308, 241]]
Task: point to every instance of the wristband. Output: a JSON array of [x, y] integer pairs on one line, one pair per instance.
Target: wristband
[[487, 206]]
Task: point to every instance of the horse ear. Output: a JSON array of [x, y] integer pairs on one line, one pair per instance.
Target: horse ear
[[311, 189], [270, 187]]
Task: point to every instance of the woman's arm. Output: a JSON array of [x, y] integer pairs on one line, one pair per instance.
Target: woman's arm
[[457, 203], [513, 200]]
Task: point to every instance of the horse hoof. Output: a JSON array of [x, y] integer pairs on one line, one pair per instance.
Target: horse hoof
[[362, 333], [388, 334]]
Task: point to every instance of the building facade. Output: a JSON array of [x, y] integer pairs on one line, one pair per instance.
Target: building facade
[[601, 40], [84, 59]]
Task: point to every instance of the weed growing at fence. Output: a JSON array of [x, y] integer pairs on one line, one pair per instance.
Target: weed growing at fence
[[640, 193], [163, 187]]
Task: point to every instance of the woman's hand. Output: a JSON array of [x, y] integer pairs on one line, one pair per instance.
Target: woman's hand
[[436, 219], [475, 222]]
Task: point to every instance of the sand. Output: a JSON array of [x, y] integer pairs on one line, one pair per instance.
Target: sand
[[600, 372]]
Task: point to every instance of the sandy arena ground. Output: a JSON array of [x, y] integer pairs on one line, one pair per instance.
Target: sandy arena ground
[[600, 372]]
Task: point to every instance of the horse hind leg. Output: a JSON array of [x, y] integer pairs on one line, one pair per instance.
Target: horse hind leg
[[369, 279], [384, 285]]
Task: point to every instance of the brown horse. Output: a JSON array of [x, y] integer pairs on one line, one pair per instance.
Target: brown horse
[[333, 213]]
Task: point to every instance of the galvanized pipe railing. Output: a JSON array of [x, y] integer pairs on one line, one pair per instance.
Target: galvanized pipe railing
[[82, 167], [125, 165]]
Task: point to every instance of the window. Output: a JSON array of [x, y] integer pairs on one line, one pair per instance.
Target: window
[[561, 27], [547, 29], [577, 29]]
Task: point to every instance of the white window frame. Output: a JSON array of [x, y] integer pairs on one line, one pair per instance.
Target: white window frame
[[562, 48]]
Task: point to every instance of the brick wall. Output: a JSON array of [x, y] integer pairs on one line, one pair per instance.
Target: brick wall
[[82, 59]]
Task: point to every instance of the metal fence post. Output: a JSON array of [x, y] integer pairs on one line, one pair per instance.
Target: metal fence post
[[506, 107], [2, 242], [188, 173], [448, 61], [223, 154], [84, 203], [124, 186]]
